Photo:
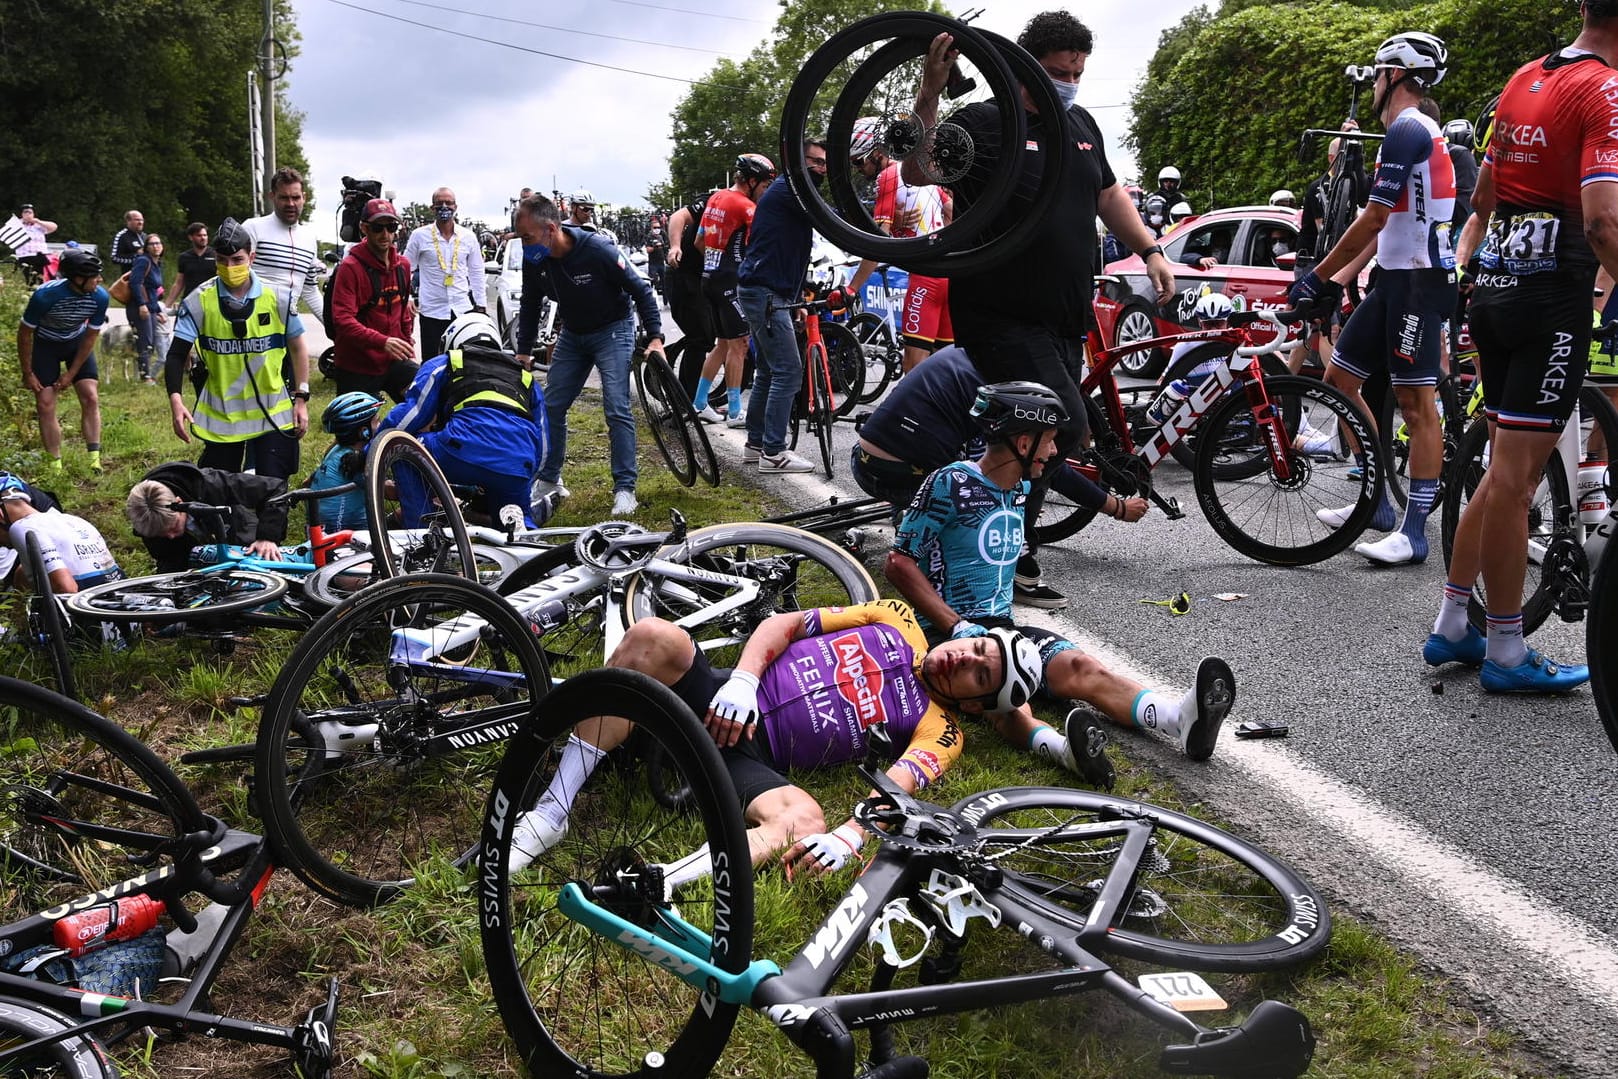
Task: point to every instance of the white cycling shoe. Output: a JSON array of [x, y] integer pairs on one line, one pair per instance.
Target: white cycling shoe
[[1336, 518], [1394, 549], [533, 835]]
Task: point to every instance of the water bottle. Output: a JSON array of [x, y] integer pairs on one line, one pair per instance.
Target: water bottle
[[1592, 493], [1168, 401], [122, 919]]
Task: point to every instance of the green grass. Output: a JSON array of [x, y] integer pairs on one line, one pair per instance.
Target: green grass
[[415, 998]]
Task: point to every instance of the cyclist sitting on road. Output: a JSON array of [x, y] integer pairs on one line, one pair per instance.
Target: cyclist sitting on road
[[926, 422], [954, 560], [257, 521], [808, 687], [349, 419], [487, 412]]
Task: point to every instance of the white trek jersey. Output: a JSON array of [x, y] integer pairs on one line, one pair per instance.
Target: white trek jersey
[[1415, 179]]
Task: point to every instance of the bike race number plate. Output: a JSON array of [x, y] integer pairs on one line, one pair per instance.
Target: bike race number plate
[[1184, 992]]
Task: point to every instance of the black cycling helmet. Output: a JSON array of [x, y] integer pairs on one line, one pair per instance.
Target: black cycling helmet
[[755, 167], [77, 262], [1007, 409], [231, 236]]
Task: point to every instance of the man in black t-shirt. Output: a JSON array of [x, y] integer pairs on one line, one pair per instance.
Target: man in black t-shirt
[[197, 263], [682, 288], [1025, 318]]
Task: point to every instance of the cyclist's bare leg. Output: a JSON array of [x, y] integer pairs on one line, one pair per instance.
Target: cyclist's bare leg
[[1597, 449], [1515, 467], [1420, 407], [50, 429], [1080, 676], [913, 355], [89, 409], [655, 647], [1350, 384], [778, 818]]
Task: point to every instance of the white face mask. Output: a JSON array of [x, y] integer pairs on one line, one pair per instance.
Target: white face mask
[[1066, 92]]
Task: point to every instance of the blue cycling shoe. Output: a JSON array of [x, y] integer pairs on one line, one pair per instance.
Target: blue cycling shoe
[[1470, 650], [1536, 674]]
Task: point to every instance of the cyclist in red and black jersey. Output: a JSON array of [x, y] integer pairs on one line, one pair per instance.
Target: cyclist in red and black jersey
[[725, 222], [682, 287], [1545, 217]]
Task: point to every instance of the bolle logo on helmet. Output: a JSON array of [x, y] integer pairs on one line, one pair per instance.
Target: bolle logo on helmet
[[1046, 416]]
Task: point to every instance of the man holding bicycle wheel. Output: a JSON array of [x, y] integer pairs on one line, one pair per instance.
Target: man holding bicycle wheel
[[1545, 219], [1399, 326], [1025, 318]]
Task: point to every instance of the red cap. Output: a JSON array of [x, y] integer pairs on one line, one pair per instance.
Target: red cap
[[378, 208]]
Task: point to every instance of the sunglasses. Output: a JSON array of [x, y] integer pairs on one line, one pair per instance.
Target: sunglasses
[[384, 226]]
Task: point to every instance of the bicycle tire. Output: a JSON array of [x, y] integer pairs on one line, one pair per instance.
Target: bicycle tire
[[340, 578], [186, 596], [84, 804], [394, 454], [1060, 517], [1200, 898], [882, 353], [820, 415], [1185, 449], [670, 432], [1246, 507], [79, 1056], [845, 221], [45, 619], [796, 570], [373, 760], [707, 462], [563, 990], [1601, 643], [1344, 199], [1552, 502], [1396, 450], [845, 361]]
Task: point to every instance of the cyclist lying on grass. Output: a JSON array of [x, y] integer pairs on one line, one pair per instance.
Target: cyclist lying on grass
[[955, 559], [803, 695]]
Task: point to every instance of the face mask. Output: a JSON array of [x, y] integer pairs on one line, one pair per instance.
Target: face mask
[[445, 213], [1066, 92], [1278, 249], [535, 252], [235, 276]]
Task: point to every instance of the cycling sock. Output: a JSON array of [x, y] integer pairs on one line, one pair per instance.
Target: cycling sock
[[733, 401], [93, 447], [694, 865], [1047, 742], [1154, 711], [700, 401], [1422, 494], [579, 759], [1506, 646], [1451, 622]]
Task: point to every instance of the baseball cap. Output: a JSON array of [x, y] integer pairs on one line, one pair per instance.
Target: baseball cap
[[378, 208]]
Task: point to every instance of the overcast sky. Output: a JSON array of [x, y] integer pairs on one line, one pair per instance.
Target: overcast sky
[[386, 87]]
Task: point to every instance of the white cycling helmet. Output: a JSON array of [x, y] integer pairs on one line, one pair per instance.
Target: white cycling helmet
[[867, 134], [1215, 306], [471, 328], [581, 197], [1168, 172], [1024, 670], [1179, 212], [1421, 54], [1284, 197]]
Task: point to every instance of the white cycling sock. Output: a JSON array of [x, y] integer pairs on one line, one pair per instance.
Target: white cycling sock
[[694, 865], [1451, 622], [1154, 711], [1050, 744], [579, 760]]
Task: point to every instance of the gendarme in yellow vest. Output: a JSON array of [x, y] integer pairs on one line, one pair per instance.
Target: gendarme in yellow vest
[[244, 395]]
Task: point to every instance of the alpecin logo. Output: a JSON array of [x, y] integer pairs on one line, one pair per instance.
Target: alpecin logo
[[858, 677]]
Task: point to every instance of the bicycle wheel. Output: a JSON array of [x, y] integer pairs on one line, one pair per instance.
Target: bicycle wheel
[[84, 804], [670, 432], [398, 461], [1271, 518], [576, 1002], [340, 578], [381, 733], [1601, 643], [1552, 503], [1197, 896], [819, 415], [883, 356], [1395, 438], [793, 570], [187, 596], [1344, 198], [80, 1057], [1185, 449], [1061, 515], [45, 619], [846, 362]]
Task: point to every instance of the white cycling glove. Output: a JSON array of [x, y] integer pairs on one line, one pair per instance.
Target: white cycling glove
[[737, 699], [967, 628], [834, 849]]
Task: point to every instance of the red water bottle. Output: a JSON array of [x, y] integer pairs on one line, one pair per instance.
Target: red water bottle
[[122, 919]]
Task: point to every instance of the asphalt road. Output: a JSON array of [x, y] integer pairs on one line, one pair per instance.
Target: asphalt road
[[1474, 830]]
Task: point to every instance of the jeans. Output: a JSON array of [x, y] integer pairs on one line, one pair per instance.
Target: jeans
[[608, 351], [779, 369]]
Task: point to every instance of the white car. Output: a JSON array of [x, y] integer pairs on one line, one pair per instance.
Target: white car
[[505, 289]]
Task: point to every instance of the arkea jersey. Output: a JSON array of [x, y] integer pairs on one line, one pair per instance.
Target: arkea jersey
[[965, 533], [59, 312], [1555, 130], [853, 667], [1415, 179], [906, 211], [724, 232]]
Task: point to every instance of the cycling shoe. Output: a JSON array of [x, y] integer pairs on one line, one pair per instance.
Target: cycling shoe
[[1086, 754], [1536, 674], [1469, 650], [1202, 714], [533, 835], [1394, 549]]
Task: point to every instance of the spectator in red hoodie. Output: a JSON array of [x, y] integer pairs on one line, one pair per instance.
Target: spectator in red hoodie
[[370, 299]]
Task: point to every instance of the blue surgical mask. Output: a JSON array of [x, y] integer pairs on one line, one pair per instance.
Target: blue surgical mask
[[535, 252], [1066, 92]]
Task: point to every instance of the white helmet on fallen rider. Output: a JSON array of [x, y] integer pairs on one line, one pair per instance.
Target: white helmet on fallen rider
[[471, 328], [1023, 667]]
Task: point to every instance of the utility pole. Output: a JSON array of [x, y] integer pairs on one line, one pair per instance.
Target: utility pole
[[267, 93]]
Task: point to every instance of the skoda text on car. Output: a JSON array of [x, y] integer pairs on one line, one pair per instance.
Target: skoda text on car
[[1244, 242]]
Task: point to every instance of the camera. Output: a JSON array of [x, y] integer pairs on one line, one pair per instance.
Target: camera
[[356, 193]]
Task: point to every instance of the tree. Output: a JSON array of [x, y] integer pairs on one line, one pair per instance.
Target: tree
[[136, 104], [1284, 63]]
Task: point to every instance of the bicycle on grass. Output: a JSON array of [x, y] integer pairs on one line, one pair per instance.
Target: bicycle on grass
[[378, 738], [1269, 448], [681, 438], [100, 843], [611, 921]]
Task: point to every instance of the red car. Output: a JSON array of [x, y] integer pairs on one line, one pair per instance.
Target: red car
[[1242, 244]]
